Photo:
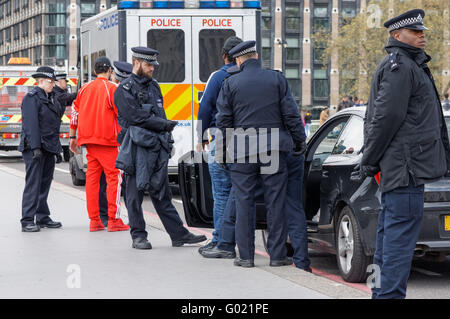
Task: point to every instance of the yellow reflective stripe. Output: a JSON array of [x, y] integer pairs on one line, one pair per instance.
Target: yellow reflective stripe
[[15, 118], [65, 119]]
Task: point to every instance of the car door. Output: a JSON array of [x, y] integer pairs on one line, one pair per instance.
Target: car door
[[319, 149], [335, 183]]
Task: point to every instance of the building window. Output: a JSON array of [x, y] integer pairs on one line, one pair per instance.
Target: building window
[[321, 18], [25, 29], [293, 18], [24, 4], [320, 85], [37, 55], [37, 24], [1, 11], [56, 8], [16, 5], [8, 34], [113, 3], [56, 51], [1, 37], [293, 49], [88, 8], [55, 20], [16, 31], [8, 8]]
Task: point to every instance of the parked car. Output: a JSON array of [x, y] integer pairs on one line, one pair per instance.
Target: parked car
[[342, 214]]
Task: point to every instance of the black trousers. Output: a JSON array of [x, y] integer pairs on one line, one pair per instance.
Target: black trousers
[[38, 179], [164, 208], [244, 178]]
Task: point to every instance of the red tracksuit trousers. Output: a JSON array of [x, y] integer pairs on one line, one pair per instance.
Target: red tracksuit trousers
[[102, 158]]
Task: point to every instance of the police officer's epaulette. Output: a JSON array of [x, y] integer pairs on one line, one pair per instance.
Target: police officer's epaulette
[[275, 70], [33, 91], [127, 83], [394, 61]]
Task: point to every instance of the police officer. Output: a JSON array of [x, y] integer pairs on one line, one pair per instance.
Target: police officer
[[405, 137], [39, 143], [140, 103], [220, 178], [258, 100], [64, 97], [121, 71]]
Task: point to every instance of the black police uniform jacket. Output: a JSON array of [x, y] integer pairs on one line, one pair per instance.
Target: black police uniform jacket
[[146, 146], [405, 133], [41, 121], [65, 98], [259, 98]]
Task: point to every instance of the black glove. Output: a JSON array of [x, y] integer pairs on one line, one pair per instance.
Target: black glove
[[170, 125], [59, 158], [360, 173], [300, 149], [37, 153]]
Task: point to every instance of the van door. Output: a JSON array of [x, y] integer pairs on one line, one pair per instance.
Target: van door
[[209, 34], [171, 36]]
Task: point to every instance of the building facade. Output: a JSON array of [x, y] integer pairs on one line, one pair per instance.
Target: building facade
[[45, 31]]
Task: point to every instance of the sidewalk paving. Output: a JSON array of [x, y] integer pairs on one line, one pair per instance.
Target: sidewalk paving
[[103, 265]]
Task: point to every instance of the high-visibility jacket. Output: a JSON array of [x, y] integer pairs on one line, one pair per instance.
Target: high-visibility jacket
[[95, 115]]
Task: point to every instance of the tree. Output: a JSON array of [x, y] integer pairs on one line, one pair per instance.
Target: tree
[[361, 40]]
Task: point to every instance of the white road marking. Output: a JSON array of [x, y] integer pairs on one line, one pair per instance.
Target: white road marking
[[426, 272], [62, 170]]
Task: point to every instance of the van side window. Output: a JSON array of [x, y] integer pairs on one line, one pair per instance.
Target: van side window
[[211, 42], [170, 44]]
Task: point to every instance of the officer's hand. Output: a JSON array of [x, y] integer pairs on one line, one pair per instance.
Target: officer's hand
[[37, 153], [59, 158], [356, 175], [170, 125], [300, 149], [73, 145]]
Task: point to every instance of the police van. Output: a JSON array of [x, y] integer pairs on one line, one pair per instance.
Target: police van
[[189, 36]]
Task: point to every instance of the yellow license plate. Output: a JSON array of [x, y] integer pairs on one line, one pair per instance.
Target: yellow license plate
[[447, 223]]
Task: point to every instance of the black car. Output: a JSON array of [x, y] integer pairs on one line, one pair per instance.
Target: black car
[[342, 214]]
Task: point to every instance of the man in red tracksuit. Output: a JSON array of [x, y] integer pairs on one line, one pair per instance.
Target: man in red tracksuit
[[95, 116]]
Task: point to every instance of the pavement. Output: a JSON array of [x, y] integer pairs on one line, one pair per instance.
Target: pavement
[[72, 262]]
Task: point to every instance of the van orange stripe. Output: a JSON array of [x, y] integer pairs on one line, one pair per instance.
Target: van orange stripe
[[174, 93], [184, 114]]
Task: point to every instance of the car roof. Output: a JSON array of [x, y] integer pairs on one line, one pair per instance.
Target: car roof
[[354, 110]]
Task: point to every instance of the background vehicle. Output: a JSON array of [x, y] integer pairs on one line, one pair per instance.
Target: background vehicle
[[15, 83], [189, 37], [342, 214]]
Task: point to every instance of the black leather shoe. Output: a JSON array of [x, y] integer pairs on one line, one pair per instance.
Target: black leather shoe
[[141, 243], [216, 252], [31, 228], [49, 224], [247, 263], [284, 262], [209, 245], [190, 238]]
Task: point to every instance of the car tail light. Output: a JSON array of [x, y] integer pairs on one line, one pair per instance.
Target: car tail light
[[64, 135], [378, 178], [10, 136]]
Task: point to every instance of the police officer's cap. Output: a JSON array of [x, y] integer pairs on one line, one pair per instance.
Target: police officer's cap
[[61, 76], [230, 43], [44, 72], [243, 48], [147, 54], [408, 20], [102, 61], [122, 69]]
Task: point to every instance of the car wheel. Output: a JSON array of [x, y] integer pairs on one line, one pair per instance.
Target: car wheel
[[351, 260], [73, 172], [265, 233]]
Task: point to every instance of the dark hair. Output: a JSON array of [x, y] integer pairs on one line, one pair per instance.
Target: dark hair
[[99, 69], [446, 95], [229, 57]]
